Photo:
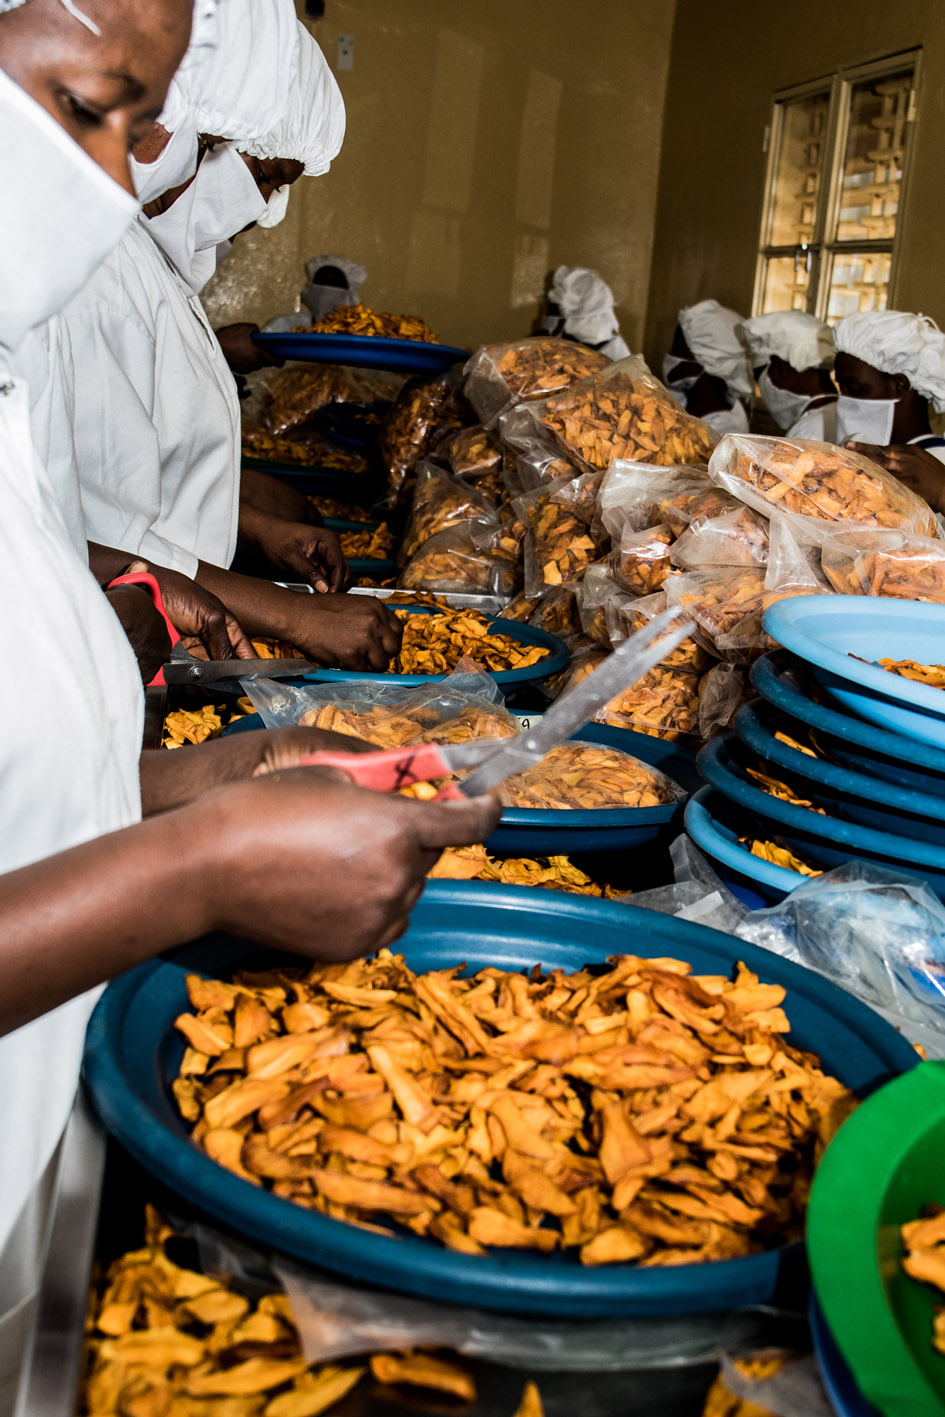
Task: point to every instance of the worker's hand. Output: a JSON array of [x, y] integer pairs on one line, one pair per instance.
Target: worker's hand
[[343, 631], [206, 627], [144, 625], [240, 352], [308, 862], [913, 465], [175, 779], [311, 554], [276, 498]]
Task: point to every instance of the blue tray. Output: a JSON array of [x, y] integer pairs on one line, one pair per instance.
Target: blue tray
[[788, 684], [757, 883], [839, 1383], [133, 1052], [529, 832], [823, 841], [407, 356], [553, 663], [828, 630], [842, 792]]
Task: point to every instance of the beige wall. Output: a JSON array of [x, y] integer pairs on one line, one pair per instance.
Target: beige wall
[[487, 142], [722, 80]]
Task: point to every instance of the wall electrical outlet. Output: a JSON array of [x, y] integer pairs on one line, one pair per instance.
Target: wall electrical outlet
[[345, 52]]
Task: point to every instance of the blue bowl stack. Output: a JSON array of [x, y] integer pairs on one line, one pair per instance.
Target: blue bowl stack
[[861, 748]]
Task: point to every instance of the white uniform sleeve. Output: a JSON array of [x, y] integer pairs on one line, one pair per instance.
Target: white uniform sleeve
[[111, 368]]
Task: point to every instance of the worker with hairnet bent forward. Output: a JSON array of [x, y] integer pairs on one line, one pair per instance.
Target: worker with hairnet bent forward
[[890, 369], [791, 354], [707, 368], [581, 307]]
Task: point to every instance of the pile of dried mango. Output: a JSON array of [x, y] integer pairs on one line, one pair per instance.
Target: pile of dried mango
[[361, 320], [372, 544], [931, 674], [556, 873], [924, 1243], [197, 725], [642, 1113], [578, 775], [434, 644], [393, 728], [164, 1341], [779, 856]]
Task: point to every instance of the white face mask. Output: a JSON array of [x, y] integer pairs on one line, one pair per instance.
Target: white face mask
[[276, 207], [221, 200], [865, 420], [69, 215], [785, 408], [170, 168], [679, 387]]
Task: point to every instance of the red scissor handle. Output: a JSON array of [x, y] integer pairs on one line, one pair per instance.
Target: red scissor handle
[[389, 770], [145, 578]]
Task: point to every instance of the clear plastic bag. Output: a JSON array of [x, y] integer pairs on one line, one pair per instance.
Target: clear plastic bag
[[586, 655], [454, 563], [423, 408], [297, 391], [558, 548], [663, 704], [641, 561], [727, 605], [816, 479], [522, 608], [531, 457], [722, 691], [499, 375], [877, 935], [557, 612], [471, 453], [580, 495], [626, 616], [640, 494], [388, 715], [588, 776], [625, 413], [595, 593], [440, 500], [890, 563], [794, 556], [735, 536]]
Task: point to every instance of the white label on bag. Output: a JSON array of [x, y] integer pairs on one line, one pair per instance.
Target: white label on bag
[[526, 721]]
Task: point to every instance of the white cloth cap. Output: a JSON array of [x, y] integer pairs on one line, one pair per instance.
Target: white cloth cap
[[586, 303], [710, 331], [896, 342], [241, 87], [356, 275], [311, 126], [799, 339]]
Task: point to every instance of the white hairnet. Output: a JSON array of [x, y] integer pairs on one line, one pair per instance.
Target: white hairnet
[[896, 342], [311, 126], [354, 274], [799, 339], [710, 332], [242, 87], [586, 303]]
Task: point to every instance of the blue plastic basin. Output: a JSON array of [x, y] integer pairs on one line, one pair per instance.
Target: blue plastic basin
[[822, 840], [854, 796], [788, 684], [406, 356], [133, 1053], [841, 636], [757, 883]]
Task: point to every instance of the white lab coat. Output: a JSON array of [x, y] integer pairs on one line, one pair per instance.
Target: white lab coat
[[818, 423], [728, 420], [70, 735], [136, 413]]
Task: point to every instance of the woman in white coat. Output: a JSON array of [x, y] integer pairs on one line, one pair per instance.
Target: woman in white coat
[[87, 889], [791, 354], [135, 410], [890, 370]]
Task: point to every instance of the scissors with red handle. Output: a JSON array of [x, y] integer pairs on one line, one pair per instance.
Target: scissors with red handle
[[145, 579], [490, 760]]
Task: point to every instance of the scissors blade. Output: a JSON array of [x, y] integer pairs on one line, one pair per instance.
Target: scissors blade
[[635, 657], [216, 671]]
